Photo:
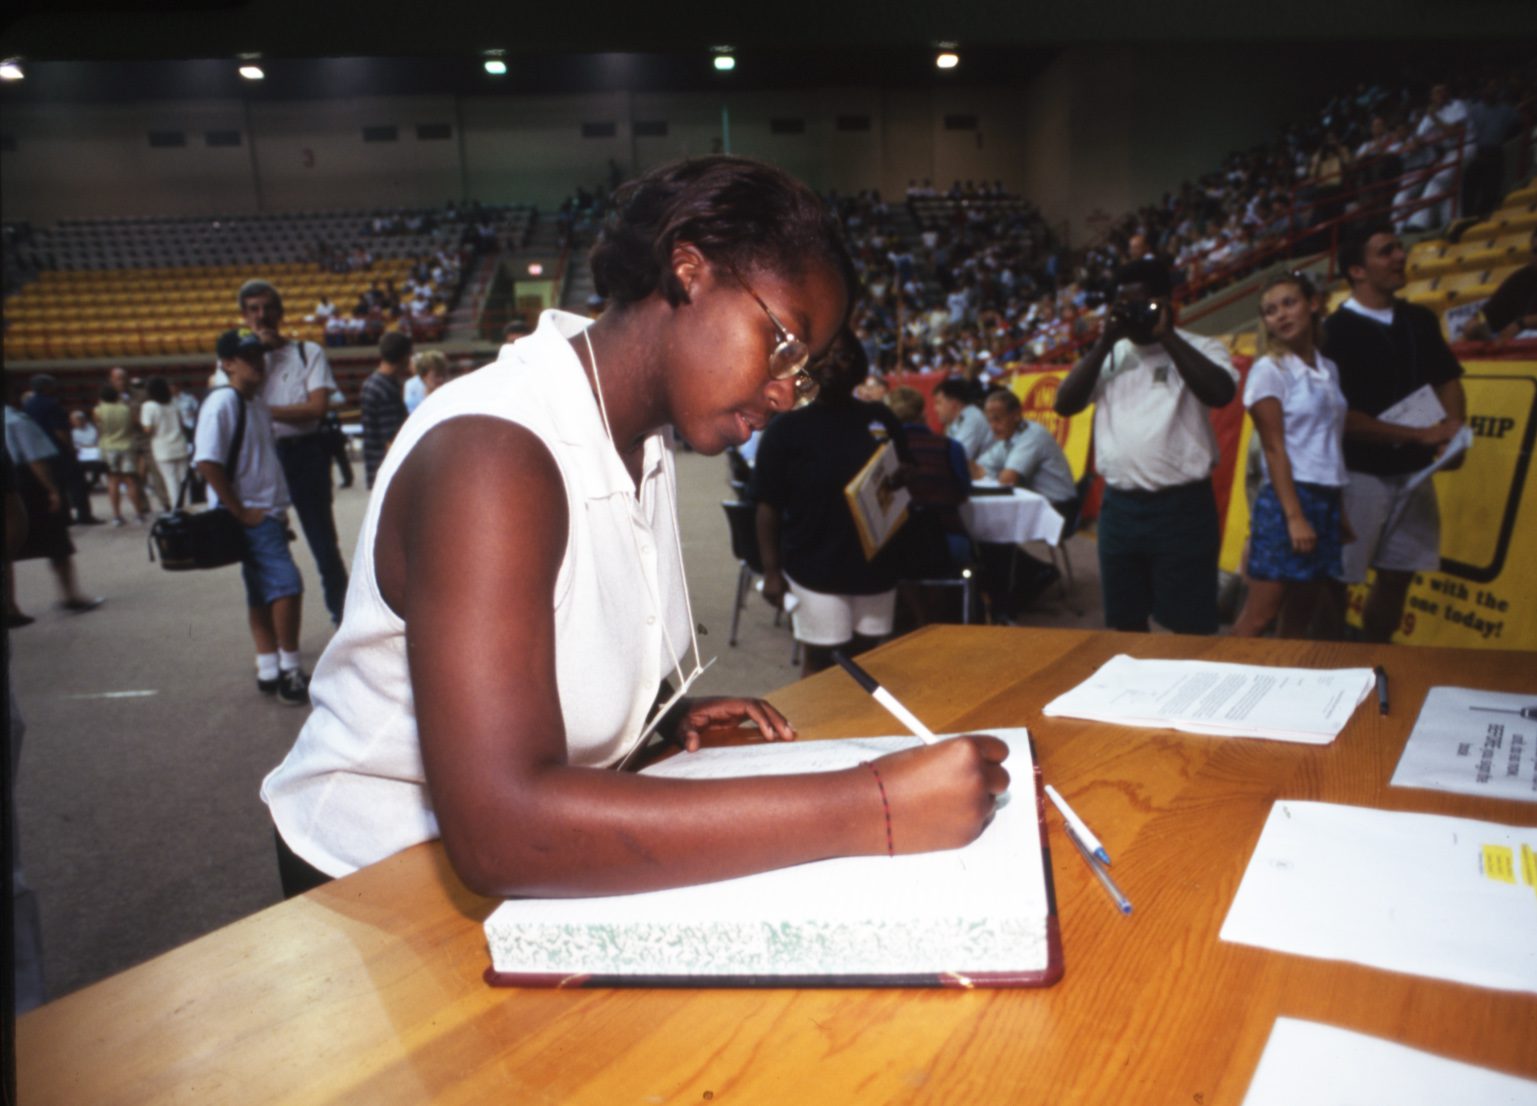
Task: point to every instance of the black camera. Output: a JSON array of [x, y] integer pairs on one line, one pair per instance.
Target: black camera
[[1137, 318]]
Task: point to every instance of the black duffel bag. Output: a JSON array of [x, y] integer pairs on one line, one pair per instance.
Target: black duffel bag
[[206, 539]]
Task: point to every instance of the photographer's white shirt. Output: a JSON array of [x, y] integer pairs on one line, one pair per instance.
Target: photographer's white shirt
[[1150, 431]]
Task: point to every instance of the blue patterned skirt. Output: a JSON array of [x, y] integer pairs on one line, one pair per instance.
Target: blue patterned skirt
[[1271, 556]]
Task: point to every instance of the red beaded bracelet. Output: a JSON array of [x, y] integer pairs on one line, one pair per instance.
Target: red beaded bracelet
[[885, 807]]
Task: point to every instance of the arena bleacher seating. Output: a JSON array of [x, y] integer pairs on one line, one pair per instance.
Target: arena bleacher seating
[[165, 287]]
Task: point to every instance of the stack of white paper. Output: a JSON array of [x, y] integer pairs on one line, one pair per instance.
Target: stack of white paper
[[1227, 700], [1427, 894], [1321, 1065], [1476, 742]]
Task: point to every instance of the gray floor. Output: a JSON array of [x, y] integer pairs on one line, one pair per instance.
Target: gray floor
[[146, 739]]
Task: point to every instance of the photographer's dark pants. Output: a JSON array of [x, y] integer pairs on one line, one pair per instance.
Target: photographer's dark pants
[[306, 465], [1158, 558]]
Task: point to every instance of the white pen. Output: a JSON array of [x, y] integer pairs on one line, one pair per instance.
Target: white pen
[[1122, 903], [884, 698], [1085, 834]]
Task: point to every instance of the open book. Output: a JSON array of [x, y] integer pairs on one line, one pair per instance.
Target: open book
[[982, 915], [878, 505]]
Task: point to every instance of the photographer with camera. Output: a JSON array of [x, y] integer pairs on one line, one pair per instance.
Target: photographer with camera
[[1151, 384]]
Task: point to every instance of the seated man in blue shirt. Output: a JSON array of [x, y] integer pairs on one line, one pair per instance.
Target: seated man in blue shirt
[[1022, 454], [962, 421]]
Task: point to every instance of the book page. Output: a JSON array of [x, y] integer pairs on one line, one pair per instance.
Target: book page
[[978, 908], [1229, 700], [1323, 1065], [1426, 894], [1473, 742]]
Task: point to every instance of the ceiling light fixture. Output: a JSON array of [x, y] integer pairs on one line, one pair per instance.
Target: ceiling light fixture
[[725, 58], [252, 72], [946, 60], [496, 67]]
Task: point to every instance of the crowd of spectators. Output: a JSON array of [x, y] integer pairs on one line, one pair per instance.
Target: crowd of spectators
[[1366, 150], [415, 309], [986, 283]]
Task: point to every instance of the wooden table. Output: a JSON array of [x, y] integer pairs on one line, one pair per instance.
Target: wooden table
[[369, 990]]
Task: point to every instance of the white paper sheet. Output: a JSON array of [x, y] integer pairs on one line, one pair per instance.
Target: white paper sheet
[[1216, 698], [1449, 898], [1461, 442], [1321, 1065], [1473, 742], [1421, 407]]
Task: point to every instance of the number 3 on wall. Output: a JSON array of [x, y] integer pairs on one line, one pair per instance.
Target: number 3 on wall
[[307, 157]]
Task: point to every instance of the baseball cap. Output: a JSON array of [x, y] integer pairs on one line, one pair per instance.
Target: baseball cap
[[243, 344]]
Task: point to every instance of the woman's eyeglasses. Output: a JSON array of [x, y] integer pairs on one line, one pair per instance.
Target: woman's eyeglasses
[[790, 355]]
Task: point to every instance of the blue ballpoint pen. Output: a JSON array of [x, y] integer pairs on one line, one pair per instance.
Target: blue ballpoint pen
[[1122, 903]]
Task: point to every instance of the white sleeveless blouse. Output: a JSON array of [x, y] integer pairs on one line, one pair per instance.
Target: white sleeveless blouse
[[352, 790]]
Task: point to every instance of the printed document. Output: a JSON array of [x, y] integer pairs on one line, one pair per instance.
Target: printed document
[[1227, 700], [1422, 407], [1426, 894], [1473, 742], [1322, 1065]]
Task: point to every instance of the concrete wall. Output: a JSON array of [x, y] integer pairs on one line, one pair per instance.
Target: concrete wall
[[1101, 128]]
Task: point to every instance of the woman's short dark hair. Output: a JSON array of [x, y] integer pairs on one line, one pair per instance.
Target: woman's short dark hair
[[157, 389], [742, 213]]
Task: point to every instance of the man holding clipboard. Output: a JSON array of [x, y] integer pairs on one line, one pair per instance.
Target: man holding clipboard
[[1388, 350]]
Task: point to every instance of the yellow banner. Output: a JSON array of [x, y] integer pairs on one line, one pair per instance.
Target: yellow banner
[[1037, 392], [1485, 595]]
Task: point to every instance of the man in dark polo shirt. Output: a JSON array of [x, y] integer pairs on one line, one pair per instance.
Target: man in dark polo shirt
[[1387, 349]]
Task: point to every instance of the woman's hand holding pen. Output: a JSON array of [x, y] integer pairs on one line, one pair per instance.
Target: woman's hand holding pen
[[727, 714], [942, 795]]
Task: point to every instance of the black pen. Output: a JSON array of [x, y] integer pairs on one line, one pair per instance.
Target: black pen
[[1382, 689], [884, 697]]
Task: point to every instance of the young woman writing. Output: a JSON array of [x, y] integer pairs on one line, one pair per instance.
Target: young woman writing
[[506, 633]]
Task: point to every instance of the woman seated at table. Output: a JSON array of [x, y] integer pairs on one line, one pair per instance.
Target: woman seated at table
[[488, 701]]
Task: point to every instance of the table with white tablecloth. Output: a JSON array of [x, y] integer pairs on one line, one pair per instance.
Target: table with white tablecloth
[[1012, 519]]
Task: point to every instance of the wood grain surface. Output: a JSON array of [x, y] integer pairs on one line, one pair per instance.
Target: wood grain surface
[[369, 989]]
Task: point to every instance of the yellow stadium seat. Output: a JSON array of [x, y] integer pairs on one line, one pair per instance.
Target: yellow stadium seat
[[1425, 294]]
